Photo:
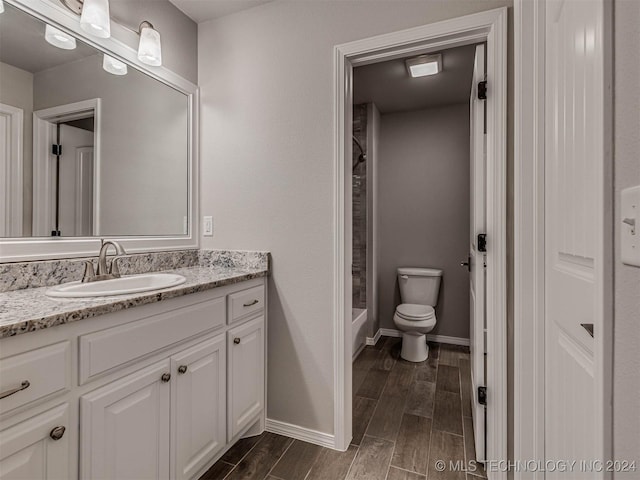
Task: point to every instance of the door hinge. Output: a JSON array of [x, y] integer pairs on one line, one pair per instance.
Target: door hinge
[[482, 90], [56, 150], [482, 395], [482, 242]]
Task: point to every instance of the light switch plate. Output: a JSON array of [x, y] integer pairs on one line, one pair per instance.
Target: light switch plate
[[630, 226], [207, 226]]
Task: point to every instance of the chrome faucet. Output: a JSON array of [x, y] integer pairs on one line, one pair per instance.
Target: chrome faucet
[[104, 272]]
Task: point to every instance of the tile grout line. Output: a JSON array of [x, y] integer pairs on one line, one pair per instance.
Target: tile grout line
[[242, 458], [278, 461]]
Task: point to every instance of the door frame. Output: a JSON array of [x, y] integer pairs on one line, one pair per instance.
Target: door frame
[[491, 27], [12, 198], [43, 178], [529, 240]]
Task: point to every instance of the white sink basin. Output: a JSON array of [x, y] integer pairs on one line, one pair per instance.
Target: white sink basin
[[118, 286]]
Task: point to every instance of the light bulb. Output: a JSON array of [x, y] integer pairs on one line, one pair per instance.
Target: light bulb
[[150, 48], [114, 66], [58, 38], [95, 18]]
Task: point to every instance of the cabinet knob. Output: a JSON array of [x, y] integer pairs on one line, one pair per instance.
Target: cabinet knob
[[236, 340], [165, 377], [182, 369], [57, 432]]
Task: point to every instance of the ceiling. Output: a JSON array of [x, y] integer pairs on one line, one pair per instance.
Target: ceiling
[[202, 10], [389, 86], [22, 43]]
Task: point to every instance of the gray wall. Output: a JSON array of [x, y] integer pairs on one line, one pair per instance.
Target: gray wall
[[266, 79], [143, 168], [424, 208], [16, 89], [626, 362]]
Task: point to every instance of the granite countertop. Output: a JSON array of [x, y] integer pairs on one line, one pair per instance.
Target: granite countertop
[[28, 310]]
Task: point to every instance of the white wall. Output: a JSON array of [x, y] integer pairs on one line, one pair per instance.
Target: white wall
[[266, 78], [626, 364], [143, 168], [424, 210], [16, 89]]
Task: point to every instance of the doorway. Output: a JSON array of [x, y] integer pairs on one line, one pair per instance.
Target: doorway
[[66, 158], [489, 27]]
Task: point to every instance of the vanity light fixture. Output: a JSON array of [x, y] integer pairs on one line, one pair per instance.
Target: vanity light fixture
[[58, 38], [114, 66], [1, 6], [424, 65], [149, 48], [94, 16]]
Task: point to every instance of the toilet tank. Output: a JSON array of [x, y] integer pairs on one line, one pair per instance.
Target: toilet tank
[[419, 285]]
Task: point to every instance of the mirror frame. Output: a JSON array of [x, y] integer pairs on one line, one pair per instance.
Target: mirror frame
[[49, 248]]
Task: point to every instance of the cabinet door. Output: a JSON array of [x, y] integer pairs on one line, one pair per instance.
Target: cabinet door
[[33, 450], [245, 395], [198, 405], [125, 427]]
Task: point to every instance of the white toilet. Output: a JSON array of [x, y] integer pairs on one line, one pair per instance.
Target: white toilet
[[415, 316]]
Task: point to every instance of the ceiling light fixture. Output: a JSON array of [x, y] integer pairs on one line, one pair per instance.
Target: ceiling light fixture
[[150, 47], [58, 38], [424, 65], [114, 66]]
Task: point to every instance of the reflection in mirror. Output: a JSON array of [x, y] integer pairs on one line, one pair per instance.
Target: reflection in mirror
[[91, 146]]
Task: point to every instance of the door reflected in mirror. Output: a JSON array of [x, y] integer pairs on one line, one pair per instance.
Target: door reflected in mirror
[[92, 146]]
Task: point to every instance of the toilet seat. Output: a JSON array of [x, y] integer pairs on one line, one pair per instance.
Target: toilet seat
[[411, 311]]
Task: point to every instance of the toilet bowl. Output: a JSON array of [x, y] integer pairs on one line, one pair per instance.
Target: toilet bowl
[[415, 317]]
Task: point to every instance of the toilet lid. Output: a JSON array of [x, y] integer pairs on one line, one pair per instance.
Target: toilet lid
[[413, 311]]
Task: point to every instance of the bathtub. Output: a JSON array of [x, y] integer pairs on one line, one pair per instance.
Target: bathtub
[[359, 330]]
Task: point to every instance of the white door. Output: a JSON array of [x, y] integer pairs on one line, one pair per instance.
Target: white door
[[124, 427], [76, 185], [84, 191], [477, 257], [11, 143], [199, 405], [33, 450], [245, 401], [574, 211]]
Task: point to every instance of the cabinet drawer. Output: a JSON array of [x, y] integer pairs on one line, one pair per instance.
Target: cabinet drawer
[[244, 303], [102, 351], [47, 370]]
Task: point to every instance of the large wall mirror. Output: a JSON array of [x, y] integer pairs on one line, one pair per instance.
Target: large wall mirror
[[91, 145]]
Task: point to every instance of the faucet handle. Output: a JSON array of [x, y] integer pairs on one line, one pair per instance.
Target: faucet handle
[[89, 272], [114, 269]]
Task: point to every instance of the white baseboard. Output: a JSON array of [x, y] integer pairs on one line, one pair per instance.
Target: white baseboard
[[301, 433], [390, 332], [373, 340]]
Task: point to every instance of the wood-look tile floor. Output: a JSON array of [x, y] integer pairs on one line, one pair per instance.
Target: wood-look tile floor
[[406, 416]]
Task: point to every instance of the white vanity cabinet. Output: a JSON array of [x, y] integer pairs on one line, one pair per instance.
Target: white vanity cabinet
[[246, 390], [199, 405], [37, 448], [124, 427], [134, 406]]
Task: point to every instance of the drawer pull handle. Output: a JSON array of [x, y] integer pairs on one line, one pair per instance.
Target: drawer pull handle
[[165, 377], [8, 393], [182, 369], [236, 340], [57, 432], [251, 303]]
